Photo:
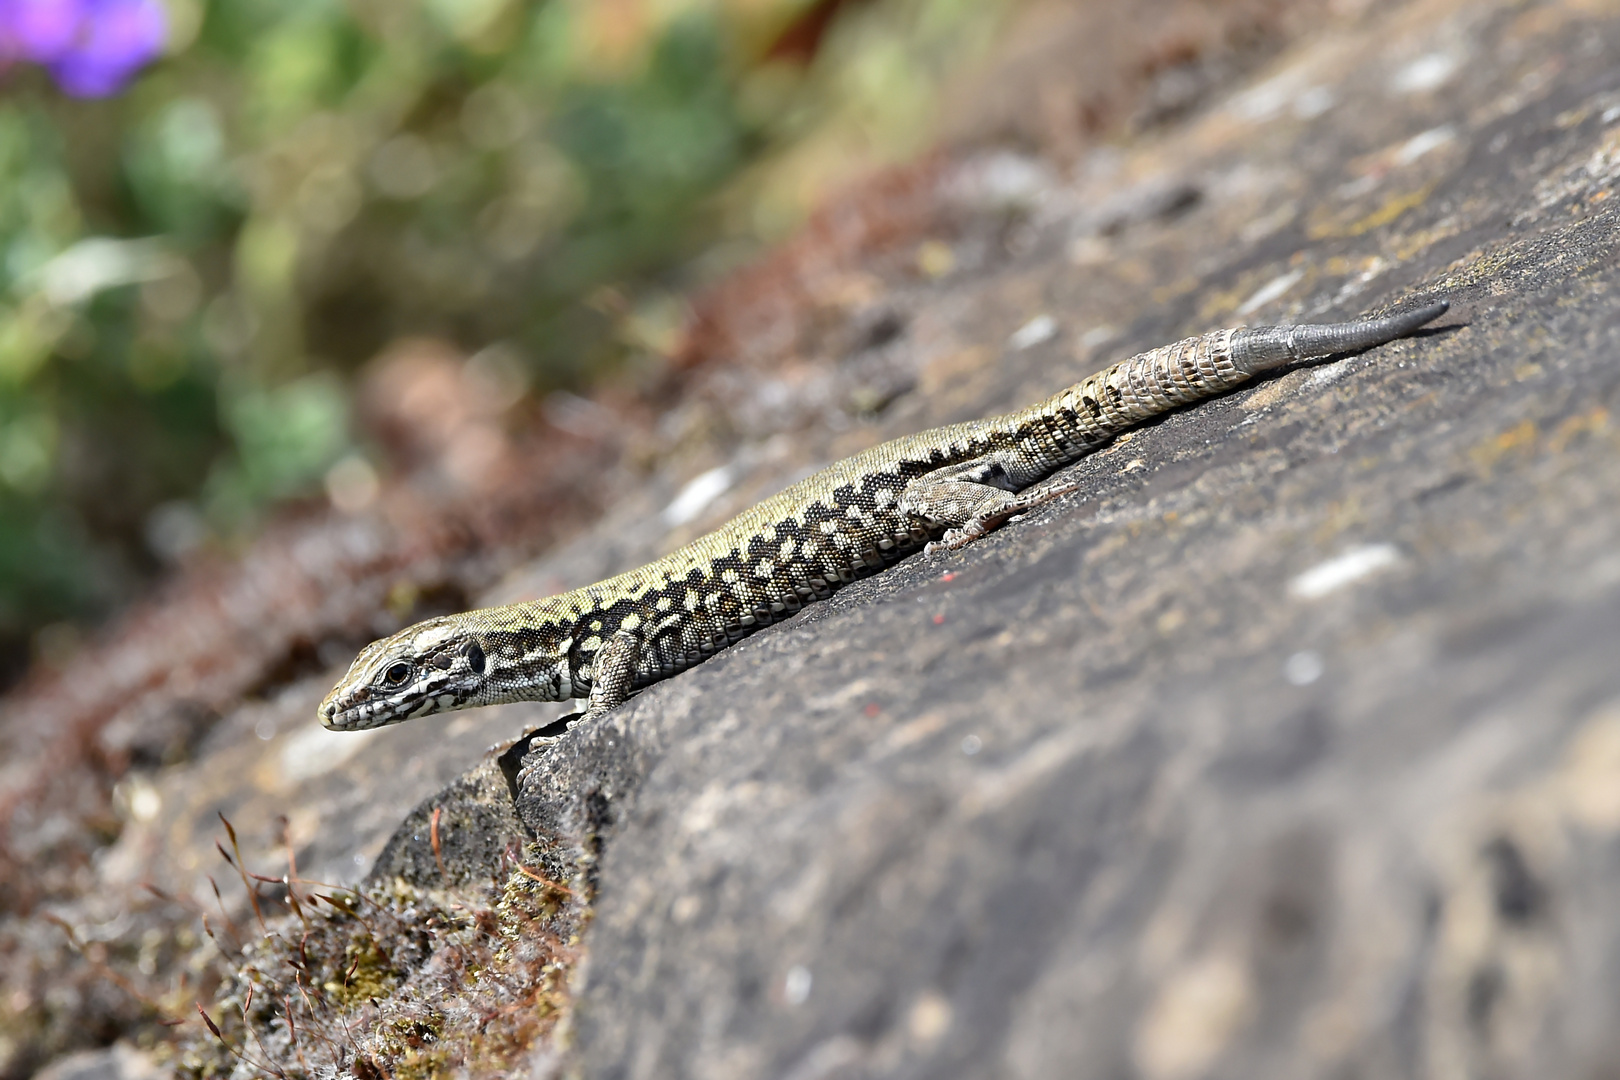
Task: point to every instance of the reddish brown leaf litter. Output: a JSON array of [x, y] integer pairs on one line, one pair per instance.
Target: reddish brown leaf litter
[[475, 501], [762, 314], [1068, 75]]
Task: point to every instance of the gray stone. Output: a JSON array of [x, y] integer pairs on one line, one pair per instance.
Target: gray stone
[[1291, 749], [119, 1061]]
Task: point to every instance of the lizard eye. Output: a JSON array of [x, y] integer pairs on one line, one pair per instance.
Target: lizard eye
[[397, 673]]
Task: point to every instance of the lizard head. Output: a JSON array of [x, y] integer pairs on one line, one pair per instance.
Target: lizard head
[[433, 666], [488, 657]]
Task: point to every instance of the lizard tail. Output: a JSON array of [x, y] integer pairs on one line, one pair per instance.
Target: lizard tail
[[1269, 347]]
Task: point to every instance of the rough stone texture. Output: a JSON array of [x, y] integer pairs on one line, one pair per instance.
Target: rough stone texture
[[1294, 747], [1291, 749], [119, 1061], [468, 830]]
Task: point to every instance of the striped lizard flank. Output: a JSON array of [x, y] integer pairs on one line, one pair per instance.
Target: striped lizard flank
[[940, 488]]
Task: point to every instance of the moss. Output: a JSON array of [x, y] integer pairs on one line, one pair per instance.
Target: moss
[[368, 974], [390, 980], [403, 1039], [421, 1064], [1325, 223]]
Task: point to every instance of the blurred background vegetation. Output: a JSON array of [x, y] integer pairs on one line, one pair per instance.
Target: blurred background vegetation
[[196, 257]]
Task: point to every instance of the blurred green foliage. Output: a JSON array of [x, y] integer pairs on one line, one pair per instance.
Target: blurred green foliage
[[190, 272]]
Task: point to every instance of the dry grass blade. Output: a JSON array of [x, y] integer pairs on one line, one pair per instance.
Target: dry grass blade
[[233, 1051], [433, 833], [241, 868], [532, 875], [230, 923]]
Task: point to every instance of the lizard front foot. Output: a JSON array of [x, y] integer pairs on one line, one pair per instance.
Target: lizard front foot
[[541, 742]]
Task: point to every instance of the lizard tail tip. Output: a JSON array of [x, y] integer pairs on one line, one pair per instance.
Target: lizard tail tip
[[1422, 316], [1277, 346], [1365, 334]]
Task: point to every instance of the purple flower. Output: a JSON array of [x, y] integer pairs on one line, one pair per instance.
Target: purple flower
[[38, 29], [92, 47]]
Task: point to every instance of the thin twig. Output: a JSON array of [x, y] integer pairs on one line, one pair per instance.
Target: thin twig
[[241, 868], [335, 1048], [230, 923], [292, 1032], [233, 1051], [292, 872], [533, 876], [252, 1033], [433, 833]]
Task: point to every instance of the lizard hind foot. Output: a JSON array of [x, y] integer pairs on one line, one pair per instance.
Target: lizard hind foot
[[1013, 509], [956, 539]]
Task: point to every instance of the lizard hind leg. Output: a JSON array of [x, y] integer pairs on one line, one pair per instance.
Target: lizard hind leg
[[971, 509]]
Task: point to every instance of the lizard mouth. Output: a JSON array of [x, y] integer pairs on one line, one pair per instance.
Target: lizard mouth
[[356, 717], [372, 710], [363, 715]]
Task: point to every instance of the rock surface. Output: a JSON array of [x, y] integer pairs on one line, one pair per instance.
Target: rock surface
[[1291, 748]]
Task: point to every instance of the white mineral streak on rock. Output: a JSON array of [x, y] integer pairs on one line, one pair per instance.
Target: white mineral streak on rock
[[699, 492], [1423, 142], [1271, 290], [1040, 329], [1428, 72], [1197, 1011], [1335, 574]]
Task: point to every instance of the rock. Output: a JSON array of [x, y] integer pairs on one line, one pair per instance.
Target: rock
[[119, 1061], [467, 831], [1292, 748]]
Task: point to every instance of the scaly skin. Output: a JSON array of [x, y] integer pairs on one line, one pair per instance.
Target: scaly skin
[[945, 487]]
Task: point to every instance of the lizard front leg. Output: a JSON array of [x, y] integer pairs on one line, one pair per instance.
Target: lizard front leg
[[613, 673], [970, 500]]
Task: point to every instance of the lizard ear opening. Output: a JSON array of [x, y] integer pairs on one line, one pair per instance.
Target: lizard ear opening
[[475, 657]]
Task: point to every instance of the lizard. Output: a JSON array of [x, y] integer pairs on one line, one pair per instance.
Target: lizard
[[940, 489]]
